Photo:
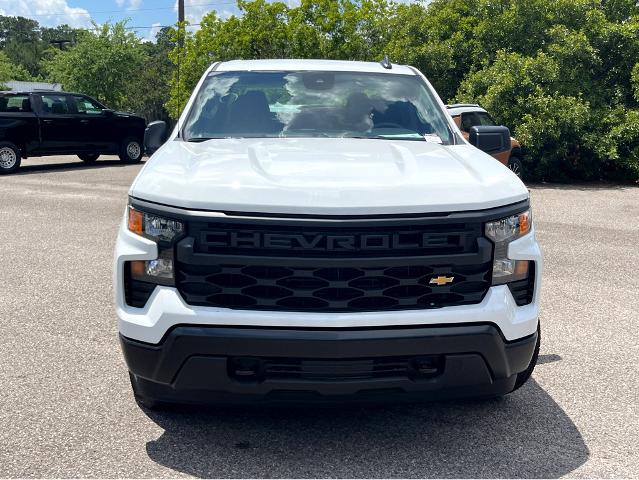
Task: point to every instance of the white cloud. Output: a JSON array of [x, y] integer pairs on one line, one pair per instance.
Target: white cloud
[[153, 32], [130, 4], [46, 12]]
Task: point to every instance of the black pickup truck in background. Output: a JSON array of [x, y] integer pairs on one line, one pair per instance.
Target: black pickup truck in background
[[34, 124]]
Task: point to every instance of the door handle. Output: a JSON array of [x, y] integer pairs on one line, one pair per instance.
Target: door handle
[[84, 121], [47, 121]]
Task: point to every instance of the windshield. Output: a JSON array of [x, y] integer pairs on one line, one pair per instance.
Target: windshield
[[315, 104]]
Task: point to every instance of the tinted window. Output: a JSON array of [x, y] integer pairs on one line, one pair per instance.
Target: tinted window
[[315, 104], [15, 103], [467, 121], [55, 104], [484, 119], [87, 106], [475, 119]]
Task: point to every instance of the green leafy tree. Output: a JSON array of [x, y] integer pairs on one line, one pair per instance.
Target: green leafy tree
[[563, 83], [562, 74], [147, 92], [11, 71], [635, 81], [25, 42], [103, 63]]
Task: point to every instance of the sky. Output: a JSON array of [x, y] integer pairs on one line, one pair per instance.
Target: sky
[[148, 15]]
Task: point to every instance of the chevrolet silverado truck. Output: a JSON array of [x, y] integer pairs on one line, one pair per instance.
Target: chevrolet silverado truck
[[321, 231], [34, 124]]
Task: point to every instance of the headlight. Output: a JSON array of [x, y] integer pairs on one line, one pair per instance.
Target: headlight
[[502, 232], [154, 226], [158, 271], [162, 230]]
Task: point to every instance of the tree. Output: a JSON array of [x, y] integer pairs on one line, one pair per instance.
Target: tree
[[148, 90], [635, 81], [25, 42], [11, 71], [103, 63], [562, 74], [564, 84]]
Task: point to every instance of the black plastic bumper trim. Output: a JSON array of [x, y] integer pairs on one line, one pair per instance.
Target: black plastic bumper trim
[[191, 364]]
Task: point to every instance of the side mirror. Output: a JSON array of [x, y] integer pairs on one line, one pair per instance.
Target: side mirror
[[154, 136], [108, 112], [490, 139]]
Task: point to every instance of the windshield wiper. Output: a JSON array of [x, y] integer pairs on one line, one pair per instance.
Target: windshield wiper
[[203, 139], [383, 137]]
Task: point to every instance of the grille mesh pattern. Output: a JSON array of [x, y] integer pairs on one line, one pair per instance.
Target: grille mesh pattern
[[350, 369], [331, 288]]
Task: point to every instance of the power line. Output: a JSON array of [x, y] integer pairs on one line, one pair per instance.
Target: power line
[[225, 2], [149, 26]]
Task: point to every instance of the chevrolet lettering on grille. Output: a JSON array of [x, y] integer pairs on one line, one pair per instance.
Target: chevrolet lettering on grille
[[326, 242]]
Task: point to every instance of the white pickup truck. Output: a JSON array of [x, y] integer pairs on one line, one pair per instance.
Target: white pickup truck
[[320, 231]]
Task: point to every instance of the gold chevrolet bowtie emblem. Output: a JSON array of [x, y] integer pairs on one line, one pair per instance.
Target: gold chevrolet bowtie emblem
[[441, 280]]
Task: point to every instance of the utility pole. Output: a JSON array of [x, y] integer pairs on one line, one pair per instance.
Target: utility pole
[[180, 22], [180, 11]]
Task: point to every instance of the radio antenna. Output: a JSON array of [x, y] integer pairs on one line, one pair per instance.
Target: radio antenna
[[386, 63]]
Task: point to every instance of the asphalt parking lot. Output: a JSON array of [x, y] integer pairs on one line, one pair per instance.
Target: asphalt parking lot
[[66, 409]]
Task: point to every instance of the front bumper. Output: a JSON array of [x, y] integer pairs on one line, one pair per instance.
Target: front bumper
[[203, 364]]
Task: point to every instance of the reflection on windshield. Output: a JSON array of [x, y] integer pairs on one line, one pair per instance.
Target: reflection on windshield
[[315, 104]]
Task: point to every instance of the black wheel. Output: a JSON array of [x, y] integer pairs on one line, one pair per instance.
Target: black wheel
[[142, 401], [131, 150], [89, 157], [9, 158], [524, 376], [516, 165]]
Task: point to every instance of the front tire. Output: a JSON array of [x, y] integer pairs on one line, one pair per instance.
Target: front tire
[[89, 157], [131, 150], [10, 158], [517, 166]]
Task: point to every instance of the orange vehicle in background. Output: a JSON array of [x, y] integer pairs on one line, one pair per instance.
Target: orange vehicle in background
[[468, 115]]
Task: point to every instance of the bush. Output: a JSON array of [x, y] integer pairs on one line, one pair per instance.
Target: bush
[[562, 74]]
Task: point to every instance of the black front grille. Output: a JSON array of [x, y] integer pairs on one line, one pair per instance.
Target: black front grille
[[306, 288], [260, 369], [308, 266]]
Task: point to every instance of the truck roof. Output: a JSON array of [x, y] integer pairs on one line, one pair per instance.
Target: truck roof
[[459, 108], [312, 65], [39, 92]]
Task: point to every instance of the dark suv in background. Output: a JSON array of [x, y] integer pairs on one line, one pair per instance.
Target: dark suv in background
[[34, 124]]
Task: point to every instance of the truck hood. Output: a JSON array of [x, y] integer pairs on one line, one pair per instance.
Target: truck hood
[[326, 176]]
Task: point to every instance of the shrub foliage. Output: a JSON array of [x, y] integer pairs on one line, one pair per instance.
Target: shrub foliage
[[562, 74]]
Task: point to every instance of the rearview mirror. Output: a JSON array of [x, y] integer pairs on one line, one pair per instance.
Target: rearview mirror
[[154, 136], [490, 139]]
